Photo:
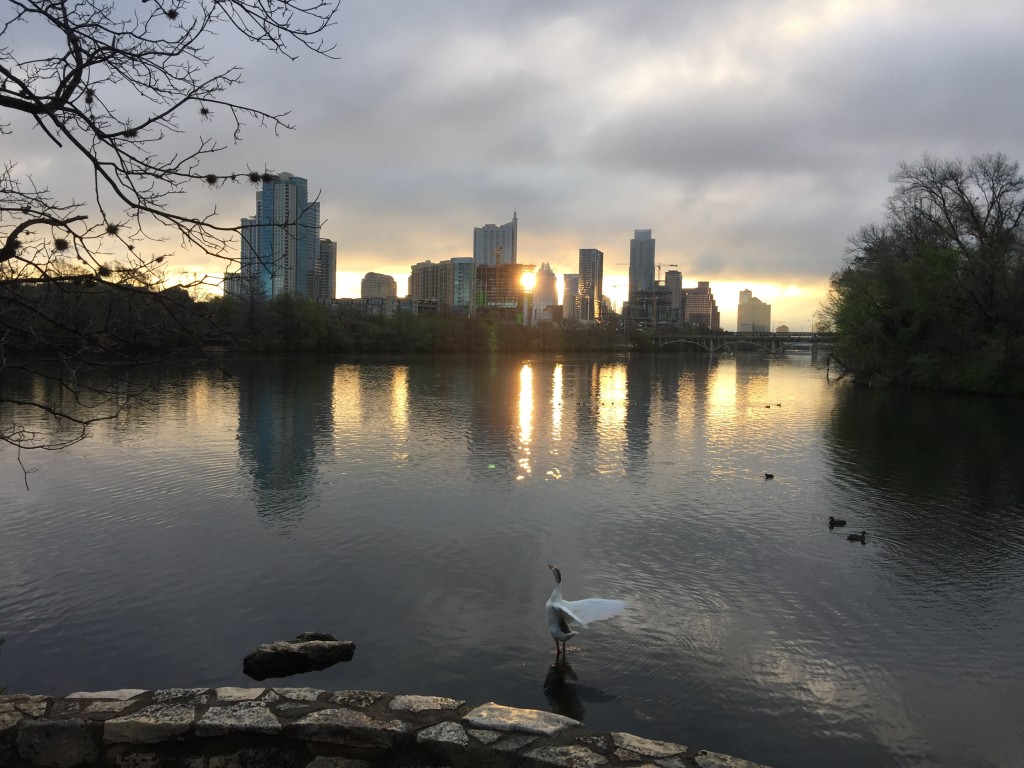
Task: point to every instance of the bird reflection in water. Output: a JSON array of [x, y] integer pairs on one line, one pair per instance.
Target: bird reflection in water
[[565, 696]]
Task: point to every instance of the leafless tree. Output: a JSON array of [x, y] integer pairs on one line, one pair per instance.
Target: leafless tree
[[117, 88]]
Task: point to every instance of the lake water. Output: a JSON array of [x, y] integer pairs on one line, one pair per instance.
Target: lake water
[[413, 508]]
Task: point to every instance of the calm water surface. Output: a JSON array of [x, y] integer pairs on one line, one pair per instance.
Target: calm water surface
[[413, 508]]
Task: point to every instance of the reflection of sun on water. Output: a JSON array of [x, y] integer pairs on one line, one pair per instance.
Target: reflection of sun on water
[[610, 401], [525, 419], [556, 403], [722, 394], [400, 412], [346, 405], [556, 417], [400, 401]]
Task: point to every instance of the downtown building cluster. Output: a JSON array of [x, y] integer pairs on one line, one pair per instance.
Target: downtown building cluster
[[282, 253]]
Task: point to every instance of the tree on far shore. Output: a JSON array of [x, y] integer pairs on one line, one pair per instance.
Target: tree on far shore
[[934, 295]]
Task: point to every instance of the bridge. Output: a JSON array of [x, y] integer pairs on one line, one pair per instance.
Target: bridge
[[669, 335]]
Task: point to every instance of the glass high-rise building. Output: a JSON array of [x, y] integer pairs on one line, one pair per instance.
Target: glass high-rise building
[[281, 251], [571, 297], [591, 283], [325, 284], [641, 262]]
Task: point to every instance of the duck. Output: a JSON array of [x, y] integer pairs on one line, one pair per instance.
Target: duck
[[862, 537], [835, 521], [567, 617], [768, 475]]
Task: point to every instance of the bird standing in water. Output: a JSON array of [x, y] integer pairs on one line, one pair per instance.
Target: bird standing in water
[[567, 617]]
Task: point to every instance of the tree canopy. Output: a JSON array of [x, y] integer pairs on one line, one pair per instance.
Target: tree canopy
[[131, 103], [932, 295]]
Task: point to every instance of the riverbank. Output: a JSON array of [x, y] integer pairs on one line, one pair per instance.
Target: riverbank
[[310, 728]]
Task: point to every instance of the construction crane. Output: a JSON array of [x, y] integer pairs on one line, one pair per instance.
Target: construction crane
[[659, 265]]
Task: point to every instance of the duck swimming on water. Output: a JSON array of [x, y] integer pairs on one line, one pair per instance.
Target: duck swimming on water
[[862, 537], [567, 617], [835, 521]]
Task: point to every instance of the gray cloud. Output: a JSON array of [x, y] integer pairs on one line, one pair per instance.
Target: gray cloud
[[752, 137]]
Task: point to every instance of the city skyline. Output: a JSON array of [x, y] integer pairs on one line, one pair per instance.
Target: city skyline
[[753, 139]]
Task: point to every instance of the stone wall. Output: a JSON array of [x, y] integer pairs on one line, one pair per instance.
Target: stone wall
[[310, 728]]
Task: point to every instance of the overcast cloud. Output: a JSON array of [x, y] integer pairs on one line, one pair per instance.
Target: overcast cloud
[[752, 137]]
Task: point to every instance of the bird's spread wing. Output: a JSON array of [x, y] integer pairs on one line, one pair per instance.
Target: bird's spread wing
[[583, 612]]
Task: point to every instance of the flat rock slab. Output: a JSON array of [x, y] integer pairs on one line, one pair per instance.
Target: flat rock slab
[[150, 725], [498, 717], [308, 652]]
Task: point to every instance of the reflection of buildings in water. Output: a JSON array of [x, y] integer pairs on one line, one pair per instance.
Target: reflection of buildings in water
[[695, 385], [752, 379], [638, 416], [282, 408], [580, 398]]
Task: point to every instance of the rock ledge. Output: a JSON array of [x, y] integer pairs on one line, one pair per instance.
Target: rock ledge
[[310, 728]]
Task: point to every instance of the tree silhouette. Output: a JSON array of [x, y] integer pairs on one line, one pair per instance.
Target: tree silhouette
[[124, 92]]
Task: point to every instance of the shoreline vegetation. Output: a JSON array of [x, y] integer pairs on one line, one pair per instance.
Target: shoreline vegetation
[[933, 297]]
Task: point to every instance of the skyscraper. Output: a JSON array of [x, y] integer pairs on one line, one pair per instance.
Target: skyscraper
[[591, 283], [571, 297], [281, 243], [641, 262], [376, 286], [449, 284], [545, 293], [493, 244], [752, 314], [325, 285], [700, 308]]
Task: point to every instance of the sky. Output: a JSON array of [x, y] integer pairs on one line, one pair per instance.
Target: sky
[[753, 137]]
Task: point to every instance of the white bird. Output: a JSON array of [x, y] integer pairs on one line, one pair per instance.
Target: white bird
[[565, 617]]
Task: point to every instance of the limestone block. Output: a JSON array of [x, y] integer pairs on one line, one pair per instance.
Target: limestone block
[[58, 743], [323, 761], [155, 760], [485, 737], [565, 757], [120, 695], [514, 743], [646, 747], [348, 727], [251, 758], [444, 734], [152, 724], [359, 699], [194, 695], [299, 694], [498, 717], [238, 694], [423, 703], [707, 759], [246, 718], [14, 708], [107, 707], [291, 657]]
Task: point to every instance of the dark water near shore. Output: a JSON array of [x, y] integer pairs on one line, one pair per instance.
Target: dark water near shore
[[413, 508]]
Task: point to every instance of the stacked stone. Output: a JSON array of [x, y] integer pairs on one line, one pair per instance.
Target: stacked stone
[[310, 728]]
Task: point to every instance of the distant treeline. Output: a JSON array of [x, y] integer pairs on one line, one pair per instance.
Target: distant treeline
[[294, 324], [88, 318]]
